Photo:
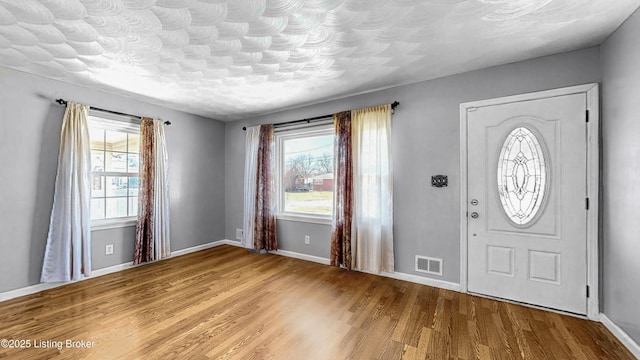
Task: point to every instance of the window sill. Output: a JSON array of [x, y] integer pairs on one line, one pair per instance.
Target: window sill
[[304, 218], [106, 224]]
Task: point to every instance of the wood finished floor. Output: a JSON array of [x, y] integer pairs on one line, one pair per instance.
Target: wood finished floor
[[227, 303]]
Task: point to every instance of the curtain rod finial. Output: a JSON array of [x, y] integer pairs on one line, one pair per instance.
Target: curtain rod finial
[[167, 122], [244, 128], [61, 101]]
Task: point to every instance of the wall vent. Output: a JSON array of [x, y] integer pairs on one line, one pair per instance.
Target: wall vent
[[429, 265]]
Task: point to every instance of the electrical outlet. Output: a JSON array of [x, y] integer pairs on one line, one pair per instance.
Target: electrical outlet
[[108, 250], [307, 239], [239, 234]]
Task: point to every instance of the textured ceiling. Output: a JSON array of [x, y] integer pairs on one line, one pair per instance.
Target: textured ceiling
[[230, 59]]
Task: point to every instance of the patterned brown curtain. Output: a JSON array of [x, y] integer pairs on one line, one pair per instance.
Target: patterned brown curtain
[[264, 234], [144, 229], [343, 192]]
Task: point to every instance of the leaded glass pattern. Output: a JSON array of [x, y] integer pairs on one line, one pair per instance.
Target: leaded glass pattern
[[522, 176]]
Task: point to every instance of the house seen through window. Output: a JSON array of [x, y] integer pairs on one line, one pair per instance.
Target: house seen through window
[[306, 172], [115, 161]]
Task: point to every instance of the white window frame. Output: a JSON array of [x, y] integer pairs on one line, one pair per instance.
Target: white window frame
[[126, 124], [280, 138]]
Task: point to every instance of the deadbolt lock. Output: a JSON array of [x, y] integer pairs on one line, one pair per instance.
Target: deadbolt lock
[[474, 215], [474, 202]]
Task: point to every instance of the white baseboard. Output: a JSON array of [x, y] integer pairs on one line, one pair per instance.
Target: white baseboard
[[231, 242], [197, 248], [396, 275], [291, 254], [8, 295], [624, 338], [424, 281], [11, 294], [32, 289], [111, 269]]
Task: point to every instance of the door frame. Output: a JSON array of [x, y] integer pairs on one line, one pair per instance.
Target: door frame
[[593, 180]]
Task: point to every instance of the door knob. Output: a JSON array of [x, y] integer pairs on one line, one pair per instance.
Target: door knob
[[474, 215]]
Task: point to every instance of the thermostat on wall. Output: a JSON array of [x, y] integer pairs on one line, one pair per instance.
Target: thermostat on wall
[[439, 181]]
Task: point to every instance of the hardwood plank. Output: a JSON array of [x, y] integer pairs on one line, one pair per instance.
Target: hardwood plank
[[228, 303]]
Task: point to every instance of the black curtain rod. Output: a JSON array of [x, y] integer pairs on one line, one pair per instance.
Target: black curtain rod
[[64, 102], [393, 106]]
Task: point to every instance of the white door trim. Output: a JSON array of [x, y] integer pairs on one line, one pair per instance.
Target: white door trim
[[593, 180]]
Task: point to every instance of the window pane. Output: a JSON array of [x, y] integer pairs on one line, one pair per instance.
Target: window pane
[[116, 161], [97, 186], [97, 160], [96, 137], [113, 150], [97, 209], [116, 141], [134, 143], [133, 186], [132, 162], [522, 176], [133, 206], [311, 202], [116, 207], [116, 186], [308, 175]]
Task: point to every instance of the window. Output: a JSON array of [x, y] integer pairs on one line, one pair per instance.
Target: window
[[115, 147], [305, 173], [522, 176]]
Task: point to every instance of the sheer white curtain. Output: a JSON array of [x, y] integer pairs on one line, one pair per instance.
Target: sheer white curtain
[[68, 251], [250, 184], [162, 216], [372, 245]]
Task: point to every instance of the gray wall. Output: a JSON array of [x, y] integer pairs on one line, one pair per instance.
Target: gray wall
[[426, 141], [30, 125], [621, 177]]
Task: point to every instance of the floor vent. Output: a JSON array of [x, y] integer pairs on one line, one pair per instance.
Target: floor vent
[[429, 265]]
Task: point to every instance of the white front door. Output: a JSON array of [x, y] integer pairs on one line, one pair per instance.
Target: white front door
[[526, 201]]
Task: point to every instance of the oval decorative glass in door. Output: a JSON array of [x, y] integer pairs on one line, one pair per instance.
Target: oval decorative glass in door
[[522, 175]]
